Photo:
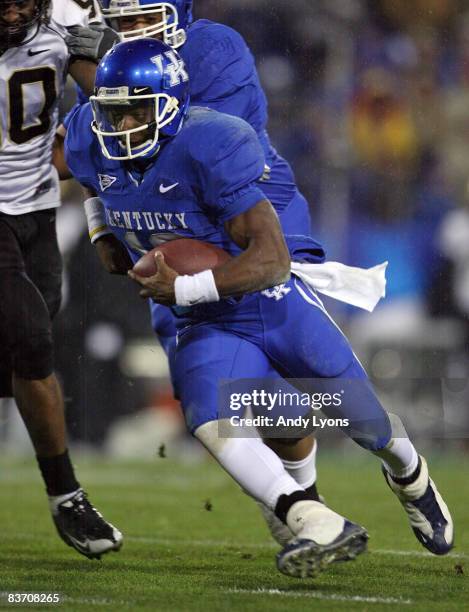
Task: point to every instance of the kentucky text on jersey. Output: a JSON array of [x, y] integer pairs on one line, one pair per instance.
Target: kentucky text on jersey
[[148, 221], [204, 176]]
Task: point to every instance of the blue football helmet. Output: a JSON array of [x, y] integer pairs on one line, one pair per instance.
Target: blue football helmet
[[141, 98], [171, 19]]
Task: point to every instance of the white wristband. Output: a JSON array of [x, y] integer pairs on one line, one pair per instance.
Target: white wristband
[[94, 211], [196, 289]]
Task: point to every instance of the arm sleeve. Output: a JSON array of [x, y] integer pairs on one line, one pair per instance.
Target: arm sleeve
[[82, 98], [229, 162], [79, 141]]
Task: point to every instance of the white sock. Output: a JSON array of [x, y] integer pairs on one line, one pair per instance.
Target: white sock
[[399, 456], [303, 471], [254, 466]]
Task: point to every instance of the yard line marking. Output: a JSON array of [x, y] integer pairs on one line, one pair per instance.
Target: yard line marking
[[211, 543], [238, 545], [417, 553], [319, 595], [272, 545]]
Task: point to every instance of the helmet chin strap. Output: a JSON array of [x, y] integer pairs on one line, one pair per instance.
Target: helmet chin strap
[[143, 161], [148, 157]]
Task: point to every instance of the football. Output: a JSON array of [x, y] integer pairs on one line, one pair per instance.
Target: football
[[185, 255]]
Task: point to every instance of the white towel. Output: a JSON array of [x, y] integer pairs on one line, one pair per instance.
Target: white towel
[[355, 286]]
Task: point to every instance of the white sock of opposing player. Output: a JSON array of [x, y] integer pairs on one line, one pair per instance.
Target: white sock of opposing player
[[399, 456], [303, 471], [254, 466]]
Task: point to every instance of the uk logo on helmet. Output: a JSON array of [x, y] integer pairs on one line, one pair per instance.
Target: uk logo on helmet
[[176, 70]]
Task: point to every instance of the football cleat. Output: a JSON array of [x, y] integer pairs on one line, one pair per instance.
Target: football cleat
[[280, 532], [428, 514], [81, 526], [322, 537]]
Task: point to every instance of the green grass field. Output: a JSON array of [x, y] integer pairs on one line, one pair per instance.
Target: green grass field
[[194, 541]]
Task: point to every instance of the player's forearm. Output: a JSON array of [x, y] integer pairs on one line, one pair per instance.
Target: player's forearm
[[58, 155], [265, 260], [260, 266], [111, 252], [83, 73]]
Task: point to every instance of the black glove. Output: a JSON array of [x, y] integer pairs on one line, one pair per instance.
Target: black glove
[[90, 42]]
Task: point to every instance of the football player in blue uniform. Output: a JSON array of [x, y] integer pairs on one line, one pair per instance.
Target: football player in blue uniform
[[170, 172], [223, 77]]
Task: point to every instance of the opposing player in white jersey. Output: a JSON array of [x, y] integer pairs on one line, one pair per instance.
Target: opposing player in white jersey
[[76, 12], [34, 61], [81, 13]]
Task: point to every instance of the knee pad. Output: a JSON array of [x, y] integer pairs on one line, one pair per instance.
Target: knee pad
[[33, 358], [25, 326], [395, 429], [372, 442], [372, 434]]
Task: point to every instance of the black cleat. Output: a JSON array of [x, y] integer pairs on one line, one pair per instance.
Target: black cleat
[[81, 526]]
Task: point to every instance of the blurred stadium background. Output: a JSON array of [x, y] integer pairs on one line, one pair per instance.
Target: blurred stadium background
[[369, 101]]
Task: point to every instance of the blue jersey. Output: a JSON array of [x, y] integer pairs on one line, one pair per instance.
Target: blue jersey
[[201, 178], [223, 77], [204, 176]]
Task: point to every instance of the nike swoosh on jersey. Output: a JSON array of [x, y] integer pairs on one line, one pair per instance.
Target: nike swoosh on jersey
[[31, 52], [165, 189], [139, 89]]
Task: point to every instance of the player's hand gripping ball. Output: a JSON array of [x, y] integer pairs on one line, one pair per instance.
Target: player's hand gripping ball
[[157, 270]]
